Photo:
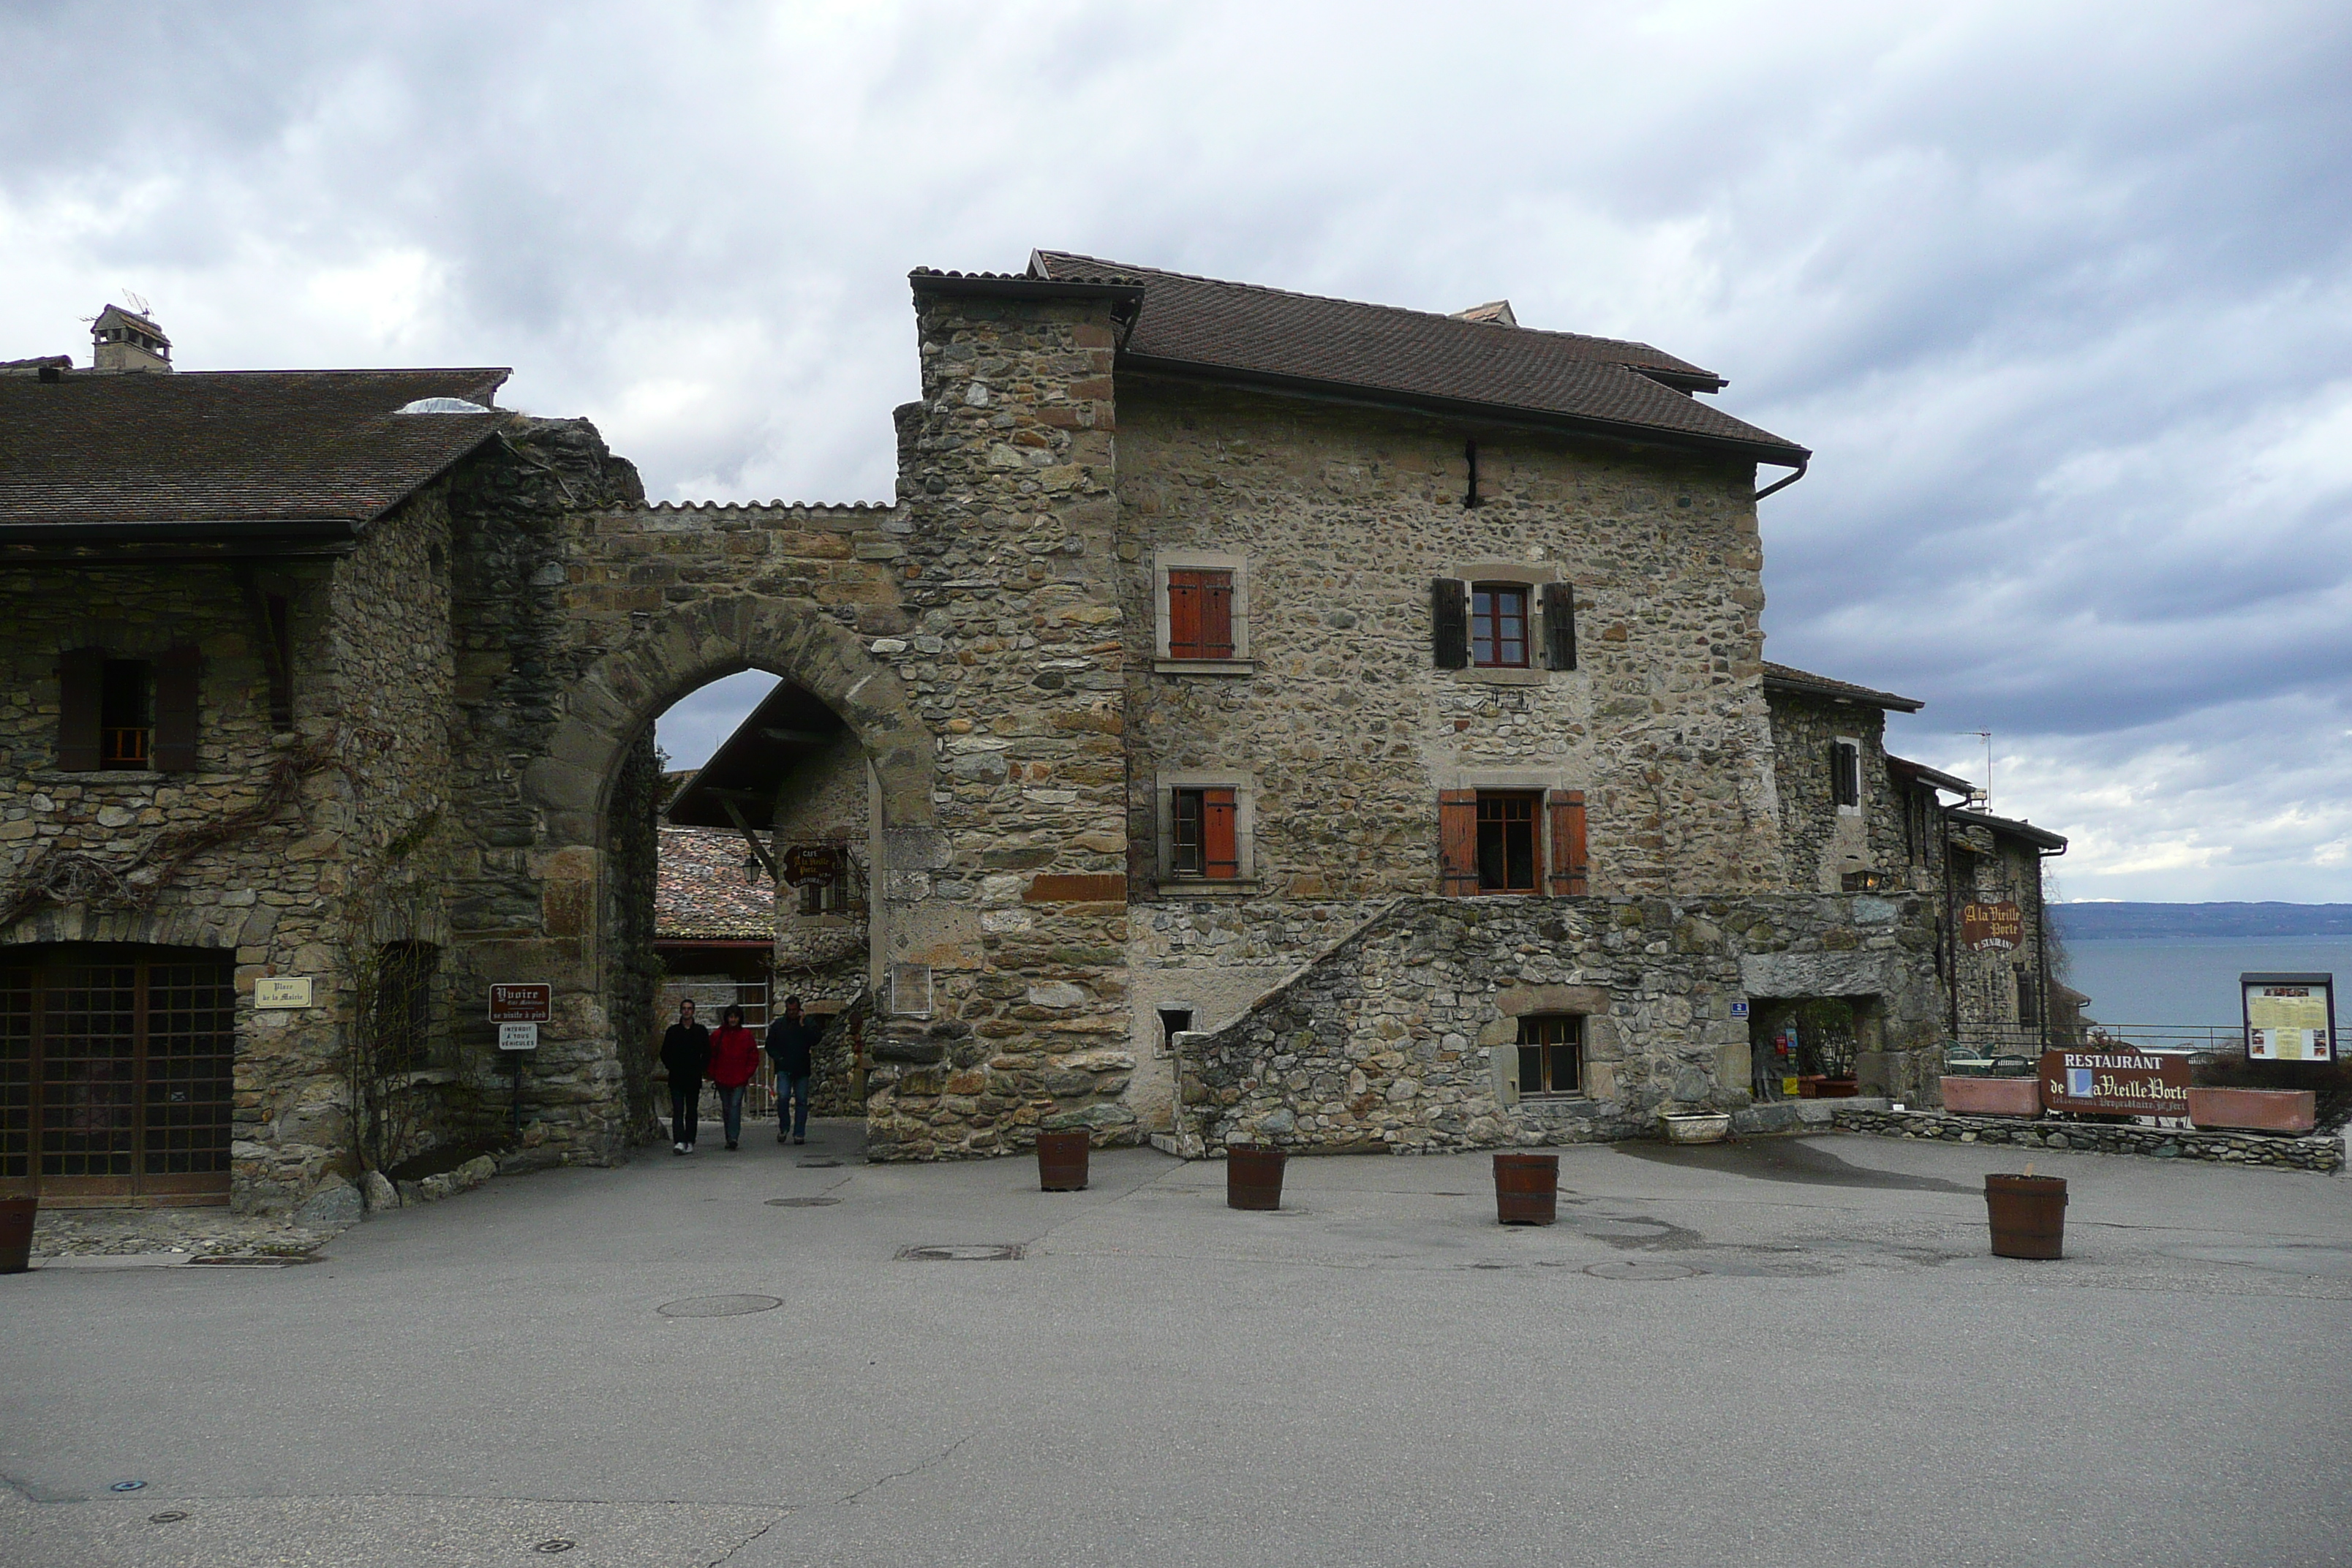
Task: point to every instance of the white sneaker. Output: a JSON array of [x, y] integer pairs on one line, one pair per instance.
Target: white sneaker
[[689, 1148], [678, 1148]]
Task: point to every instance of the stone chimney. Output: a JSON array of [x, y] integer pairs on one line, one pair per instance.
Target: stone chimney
[[120, 341]]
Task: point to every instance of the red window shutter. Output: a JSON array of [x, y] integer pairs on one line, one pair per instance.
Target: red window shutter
[[1184, 615], [1219, 844], [1457, 842], [1569, 867], [1216, 615], [81, 699], [178, 693]]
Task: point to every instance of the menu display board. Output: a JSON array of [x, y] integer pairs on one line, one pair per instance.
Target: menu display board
[[2289, 1017]]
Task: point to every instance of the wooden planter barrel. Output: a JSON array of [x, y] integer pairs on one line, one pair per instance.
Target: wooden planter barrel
[[16, 1234], [2028, 1216], [1254, 1176], [1526, 1189], [1062, 1161]]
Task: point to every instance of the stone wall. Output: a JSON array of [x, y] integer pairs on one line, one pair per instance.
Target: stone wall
[[1821, 842], [1404, 1036], [2322, 1154]]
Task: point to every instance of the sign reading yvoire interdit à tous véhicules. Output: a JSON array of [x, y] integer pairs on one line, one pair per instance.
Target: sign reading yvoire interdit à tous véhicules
[[2115, 1083]]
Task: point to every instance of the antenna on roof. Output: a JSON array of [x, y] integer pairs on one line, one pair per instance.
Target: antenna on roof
[[1982, 798], [138, 301]]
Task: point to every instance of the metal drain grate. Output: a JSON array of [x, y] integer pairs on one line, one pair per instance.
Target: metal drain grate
[[717, 1305], [801, 1203], [1640, 1269], [966, 1253]]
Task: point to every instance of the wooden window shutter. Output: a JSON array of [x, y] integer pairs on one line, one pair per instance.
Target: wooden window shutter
[[81, 698], [1568, 864], [1183, 616], [1457, 842], [1220, 843], [1216, 615], [1560, 625], [1449, 607], [178, 693]]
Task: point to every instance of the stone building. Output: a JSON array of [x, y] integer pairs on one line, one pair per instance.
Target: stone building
[[1255, 714]]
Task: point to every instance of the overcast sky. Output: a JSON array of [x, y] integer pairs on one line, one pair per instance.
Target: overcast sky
[[2057, 293]]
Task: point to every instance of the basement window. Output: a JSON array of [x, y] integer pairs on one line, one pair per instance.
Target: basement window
[[1552, 1055]]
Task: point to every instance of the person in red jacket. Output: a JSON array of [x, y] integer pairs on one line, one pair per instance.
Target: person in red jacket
[[734, 1058]]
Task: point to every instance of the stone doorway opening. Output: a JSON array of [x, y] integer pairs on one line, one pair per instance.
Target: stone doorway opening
[[1811, 1046], [115, 1074]]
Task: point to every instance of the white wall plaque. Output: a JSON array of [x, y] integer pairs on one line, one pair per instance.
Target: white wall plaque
[[282, 990], [517, 1036]]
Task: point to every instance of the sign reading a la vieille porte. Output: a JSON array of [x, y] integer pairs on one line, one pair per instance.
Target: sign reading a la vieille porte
[[1992, 928], [2115, 1083]]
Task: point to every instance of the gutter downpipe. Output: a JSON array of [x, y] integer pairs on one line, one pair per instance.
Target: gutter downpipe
[[1783, 484], [1951, 930]]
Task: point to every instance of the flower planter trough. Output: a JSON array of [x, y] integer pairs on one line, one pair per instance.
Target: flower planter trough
[[1710, 1127], [1992, 1096], [1062, 1161], [2254, 1109], [1526, 1189]]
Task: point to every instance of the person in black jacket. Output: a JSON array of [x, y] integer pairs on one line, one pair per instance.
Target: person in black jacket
[[686, 1053], [790, 1043]]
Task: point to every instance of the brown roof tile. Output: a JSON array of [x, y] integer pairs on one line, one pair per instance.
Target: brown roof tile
[[1605, 384], [235, 450], [700, 894]]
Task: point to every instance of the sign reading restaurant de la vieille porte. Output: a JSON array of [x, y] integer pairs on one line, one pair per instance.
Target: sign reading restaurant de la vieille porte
[[2115, 1083]]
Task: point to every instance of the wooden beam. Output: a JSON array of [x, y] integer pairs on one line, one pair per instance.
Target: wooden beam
[[752, 838], [803, 737]]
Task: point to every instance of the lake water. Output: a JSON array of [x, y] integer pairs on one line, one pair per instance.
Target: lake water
[[2177, 980]]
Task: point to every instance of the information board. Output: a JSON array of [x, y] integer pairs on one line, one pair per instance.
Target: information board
[[2289, 1017], [2115, 1083]]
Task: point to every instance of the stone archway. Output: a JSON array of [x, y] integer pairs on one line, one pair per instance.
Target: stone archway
[[582, 1072]]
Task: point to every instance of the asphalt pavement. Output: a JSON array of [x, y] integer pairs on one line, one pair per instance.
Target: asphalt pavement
[[1781, 1351]]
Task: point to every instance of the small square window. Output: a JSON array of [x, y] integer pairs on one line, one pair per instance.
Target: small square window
[[1499, 625], [1506, 841], [1551, 1054]]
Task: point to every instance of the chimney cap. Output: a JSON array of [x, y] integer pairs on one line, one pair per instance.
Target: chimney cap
[[1493, 312]]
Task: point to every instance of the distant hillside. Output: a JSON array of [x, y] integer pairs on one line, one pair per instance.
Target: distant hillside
[[2094, 922]]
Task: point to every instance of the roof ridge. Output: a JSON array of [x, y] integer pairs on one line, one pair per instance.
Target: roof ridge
[[1358, 304]]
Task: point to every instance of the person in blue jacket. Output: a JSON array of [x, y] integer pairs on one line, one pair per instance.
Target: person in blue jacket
[[790, 1044]]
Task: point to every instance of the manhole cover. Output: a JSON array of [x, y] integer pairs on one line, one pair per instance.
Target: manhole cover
[[801, 1203], [717, 1305], [819, 1164], [1638, 1269], [169, 1516], [285, 1261], [555, 1546], [961, 1253]]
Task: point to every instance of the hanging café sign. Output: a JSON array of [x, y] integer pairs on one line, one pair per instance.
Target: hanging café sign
[[2115, 1083], [1992, 928]]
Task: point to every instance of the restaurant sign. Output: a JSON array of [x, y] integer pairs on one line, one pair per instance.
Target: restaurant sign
[[806, 863], [2115, 1083], [1995, 928], [2289, 1017]]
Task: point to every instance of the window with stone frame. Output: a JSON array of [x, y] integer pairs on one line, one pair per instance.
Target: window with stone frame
[[1200, 612], [1203, 841], [1846, 774], [1552, 1055]]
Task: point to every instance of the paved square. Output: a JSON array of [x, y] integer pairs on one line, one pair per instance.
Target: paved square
[[1787, 1351]]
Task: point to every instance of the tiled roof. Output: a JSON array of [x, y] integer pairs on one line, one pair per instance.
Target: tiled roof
[[1780, 678], [1604, 385], [701, 895], [235, 450]]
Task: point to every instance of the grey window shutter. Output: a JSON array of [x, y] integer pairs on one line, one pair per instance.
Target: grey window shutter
[[1560, 625], [1449, 607], [81, 697], [178, 693]]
